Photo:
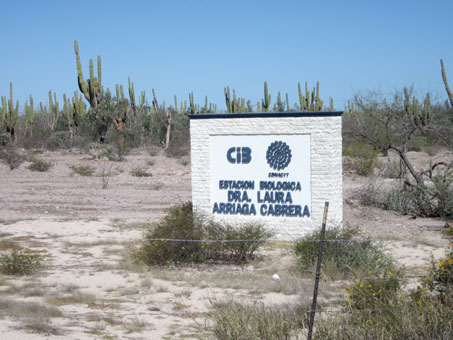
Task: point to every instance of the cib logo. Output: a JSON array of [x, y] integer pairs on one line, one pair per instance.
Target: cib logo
[[239, 155]]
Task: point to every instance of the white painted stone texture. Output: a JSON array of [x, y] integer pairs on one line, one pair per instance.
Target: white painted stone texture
[[326, 167]]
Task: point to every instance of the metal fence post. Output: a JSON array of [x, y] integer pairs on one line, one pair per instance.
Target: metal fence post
[[318, 273]]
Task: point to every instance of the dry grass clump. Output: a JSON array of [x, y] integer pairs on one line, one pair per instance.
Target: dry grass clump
[[83, 170], [19, 263], [343, 253], [17, 308], [39, 165], [10, 156], [232, 320], [139, 172]]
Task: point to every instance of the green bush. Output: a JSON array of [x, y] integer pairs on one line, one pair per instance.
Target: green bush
[[380, 308], [139, 172], [192, 229], [236, 321], [441, 275], [362, 159], [435, 200], [83, 170], [10, 156], [4, 139], [19, 263], [376, 291], [344, 251], [39, 165], [418, 143]]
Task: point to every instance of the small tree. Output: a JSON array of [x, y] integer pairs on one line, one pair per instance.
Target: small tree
[[391, 125]]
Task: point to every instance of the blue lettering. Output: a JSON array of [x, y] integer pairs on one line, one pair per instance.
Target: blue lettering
[[306, 211], [229, 157]]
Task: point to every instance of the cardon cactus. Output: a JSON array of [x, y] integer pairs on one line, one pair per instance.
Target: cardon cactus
[[10, 114], [92, 87], [444, 77], [266, 102]]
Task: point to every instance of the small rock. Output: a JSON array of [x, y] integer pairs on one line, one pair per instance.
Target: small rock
[[276, 277]]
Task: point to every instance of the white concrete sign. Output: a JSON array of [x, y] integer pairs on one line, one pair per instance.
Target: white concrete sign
[[261, 175], [275, 169]]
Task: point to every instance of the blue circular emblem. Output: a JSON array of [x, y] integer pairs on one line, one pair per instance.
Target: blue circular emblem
[[278, 155]]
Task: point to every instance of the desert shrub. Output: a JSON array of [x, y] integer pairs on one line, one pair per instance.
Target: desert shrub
[[237, 321], [441, 275], [362, 159], [380, 308], [191, 229], [391, 169], [418, 143], [83, 170], [19, 263], [139, 172], [120, 144], [153, 150], [58, 140], [448, 232], [184, 161], [10, 156], [435, 200], [342, 249], [39, 165], [4, 139], [376, 291], [180, 139]]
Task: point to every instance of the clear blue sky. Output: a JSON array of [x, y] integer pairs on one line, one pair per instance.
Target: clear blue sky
[[179, 46]]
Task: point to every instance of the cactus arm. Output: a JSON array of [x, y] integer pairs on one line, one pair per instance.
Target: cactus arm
[[228, 99], [444, 77], [132, 95], [287, 103], [155, 102], [191, 103], [99, 73], [266, 102], [82, 84], [176, 103]]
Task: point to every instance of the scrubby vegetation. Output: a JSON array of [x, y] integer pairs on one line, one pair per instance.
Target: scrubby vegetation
[[19, 262], [379, 308], [243, 322], [183, 236], [344, 253]]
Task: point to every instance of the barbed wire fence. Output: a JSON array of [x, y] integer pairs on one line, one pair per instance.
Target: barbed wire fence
[[311, 312]]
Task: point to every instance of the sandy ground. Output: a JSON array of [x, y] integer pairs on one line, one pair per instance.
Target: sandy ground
[[85, 234]]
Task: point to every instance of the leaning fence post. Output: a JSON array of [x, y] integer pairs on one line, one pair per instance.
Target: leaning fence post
[[318, 273]]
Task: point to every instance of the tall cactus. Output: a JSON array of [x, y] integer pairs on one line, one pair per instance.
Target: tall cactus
[[78, 106], [29, 117], [287, 103], [279, 103], [192, 107], [266, 102], [3, 109], [132, 95], [92, 87], [418, 114], [444, 77], [228, 99], [10, 114], [54, 113], [176, 104], [71, 117]]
